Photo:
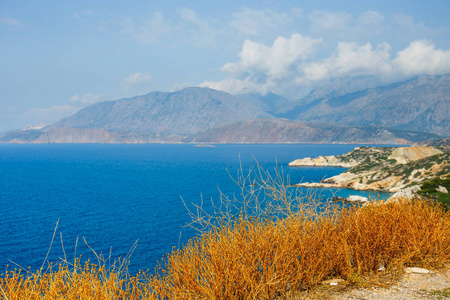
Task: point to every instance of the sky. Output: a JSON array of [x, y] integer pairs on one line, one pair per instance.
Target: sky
[[57, 57]]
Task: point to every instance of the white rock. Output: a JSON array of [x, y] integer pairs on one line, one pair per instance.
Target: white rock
[[333, 281], [418, 271], [381, 267], [442, 189], [409, 192], [355, 198]]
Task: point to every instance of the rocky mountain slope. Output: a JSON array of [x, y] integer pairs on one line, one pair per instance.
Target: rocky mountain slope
[[188, 111], [285, 131], [270, 103], [443, 144], [382, 168], [376, 115], [420, 104]]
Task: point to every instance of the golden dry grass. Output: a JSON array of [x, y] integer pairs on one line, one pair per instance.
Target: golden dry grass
[[262, 258], [255, 259], [78, 282]]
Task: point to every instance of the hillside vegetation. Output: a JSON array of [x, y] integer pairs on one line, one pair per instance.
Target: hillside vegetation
[[384, 168]]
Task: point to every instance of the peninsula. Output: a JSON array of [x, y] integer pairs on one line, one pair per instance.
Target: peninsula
[[390, 169]]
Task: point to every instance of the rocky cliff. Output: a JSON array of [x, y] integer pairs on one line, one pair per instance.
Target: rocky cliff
[[382, 168]]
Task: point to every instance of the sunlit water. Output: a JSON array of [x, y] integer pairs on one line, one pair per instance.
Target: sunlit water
[[113, 195]]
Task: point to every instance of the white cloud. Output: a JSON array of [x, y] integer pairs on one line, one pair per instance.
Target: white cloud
[[273, 62], [12, 21], [422, 57], [290, 64], [135, 79], [261, 68], [238, 86], [349, 59], [86, 99]]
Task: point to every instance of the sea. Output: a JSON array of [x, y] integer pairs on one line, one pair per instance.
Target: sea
[[64, 201]]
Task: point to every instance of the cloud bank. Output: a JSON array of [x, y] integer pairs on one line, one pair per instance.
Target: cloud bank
[[289, 64]]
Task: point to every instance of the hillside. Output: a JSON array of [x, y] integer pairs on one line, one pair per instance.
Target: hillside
[[401, 113], [420, 104], [188, 111], [270, 103], [285, 131], [382, 168], [443, 144]]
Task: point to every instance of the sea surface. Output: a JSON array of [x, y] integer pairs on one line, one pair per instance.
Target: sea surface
[[114, 195]]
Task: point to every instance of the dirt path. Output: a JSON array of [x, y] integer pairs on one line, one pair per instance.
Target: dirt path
[[411, 286]]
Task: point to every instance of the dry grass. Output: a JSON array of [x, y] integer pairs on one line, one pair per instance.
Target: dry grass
[[255, 259], [267, 251], [80, 282]]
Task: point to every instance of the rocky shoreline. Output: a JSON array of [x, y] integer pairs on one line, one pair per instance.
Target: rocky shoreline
[[388, 169]]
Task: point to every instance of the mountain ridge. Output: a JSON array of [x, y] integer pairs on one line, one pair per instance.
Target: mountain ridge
[[287, 131], [418, 104], [393, 113], [187, 111]]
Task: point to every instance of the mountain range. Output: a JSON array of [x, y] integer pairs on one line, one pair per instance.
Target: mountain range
[[405, 112], [420, 104]]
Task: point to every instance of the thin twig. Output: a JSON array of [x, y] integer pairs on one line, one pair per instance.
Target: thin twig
[[53, 237]]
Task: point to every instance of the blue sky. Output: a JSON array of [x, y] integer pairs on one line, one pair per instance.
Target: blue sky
[[59, 56]]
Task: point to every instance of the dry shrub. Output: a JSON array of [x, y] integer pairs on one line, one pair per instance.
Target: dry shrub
[[407, 232], [80, 282], [254, 259], [108, 279]]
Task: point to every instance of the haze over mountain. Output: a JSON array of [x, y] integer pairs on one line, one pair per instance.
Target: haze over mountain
[[419, 104], [285, 131], [405, 112], [270, 103], [188, 111]]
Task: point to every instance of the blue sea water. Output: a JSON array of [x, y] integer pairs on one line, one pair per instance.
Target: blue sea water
[[113, 195]]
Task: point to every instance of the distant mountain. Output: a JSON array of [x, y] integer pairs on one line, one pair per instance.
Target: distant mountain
[[443, 144], [420, 104], [284, 131], [332, 88], [270, 103], [188, 111], [398, 113]]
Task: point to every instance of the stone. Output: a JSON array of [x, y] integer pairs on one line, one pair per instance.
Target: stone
[[335, 281], [442, 189], [355, 198], [418, 271]]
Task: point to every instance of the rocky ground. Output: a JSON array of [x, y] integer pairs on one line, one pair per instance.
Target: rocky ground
[[415, 284]]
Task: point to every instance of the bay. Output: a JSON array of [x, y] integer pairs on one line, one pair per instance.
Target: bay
[[115, 194]]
